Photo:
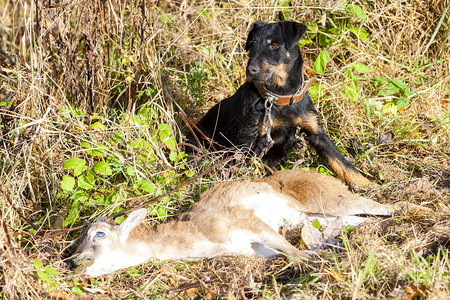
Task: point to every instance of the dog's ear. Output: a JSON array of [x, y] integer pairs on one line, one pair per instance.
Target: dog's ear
[[292, 32], [251, 33]]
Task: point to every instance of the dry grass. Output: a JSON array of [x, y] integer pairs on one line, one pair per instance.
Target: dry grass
[[78, 76]]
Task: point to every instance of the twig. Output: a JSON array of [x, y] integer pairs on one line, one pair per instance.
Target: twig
[[5, 229], [189, 123], [269, 169], [186, 120], [60, 231], [18, 211]]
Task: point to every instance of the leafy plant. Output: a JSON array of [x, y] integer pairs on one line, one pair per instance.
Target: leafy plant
[[89, 186], [45, 273], [320, 64], [194, 80], [336, 31]]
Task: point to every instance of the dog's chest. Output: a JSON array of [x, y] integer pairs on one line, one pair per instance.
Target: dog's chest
[[285, 116], [282, 123]]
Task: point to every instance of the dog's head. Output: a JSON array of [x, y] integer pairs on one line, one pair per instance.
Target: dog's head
[[273, 52]]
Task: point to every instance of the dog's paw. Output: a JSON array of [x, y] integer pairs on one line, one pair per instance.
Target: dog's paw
[[359, 188]]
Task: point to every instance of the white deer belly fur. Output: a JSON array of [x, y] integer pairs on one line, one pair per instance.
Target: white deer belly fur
[[247, 243], [274, 210]]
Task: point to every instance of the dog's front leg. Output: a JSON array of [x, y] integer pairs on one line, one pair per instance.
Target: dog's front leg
[[318, 138]]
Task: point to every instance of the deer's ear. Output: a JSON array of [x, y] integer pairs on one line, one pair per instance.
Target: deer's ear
[[133, 220]]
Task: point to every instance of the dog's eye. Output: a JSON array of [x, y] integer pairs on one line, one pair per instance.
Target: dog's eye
[[274, 46]]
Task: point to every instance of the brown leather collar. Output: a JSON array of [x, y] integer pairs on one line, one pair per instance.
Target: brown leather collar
[[285, 100]]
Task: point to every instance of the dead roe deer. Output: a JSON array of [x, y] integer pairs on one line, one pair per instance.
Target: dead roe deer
[[241, 217]]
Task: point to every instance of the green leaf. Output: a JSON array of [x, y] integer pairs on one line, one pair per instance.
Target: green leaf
[[314, 91], [316, 223], [189, 173], [90, 178], [118, 136], [84, 183], [304, 42], [173, 156], [78, 170], [85, 144], [402, 102], [116, 197], [166, 136], [321, 62], [361, 68], [98, 126], [178, 157], [170, 143], [133, 271], [377, 104], [73, 163], [358, 12], [389, 108], [164, 130], [380, 80], [130, 171], [97, 150], [80, 196], [360, 32], [139, 144], [313, 27], [388, 90], [102, 168], [162, 212], [67, 183], [51, 271], [145, 186], [351, 92], [325, 40], [181, 155], [401, 85], [350, 75], [44, 276], [77, 290], [37, 264], [71, 216]]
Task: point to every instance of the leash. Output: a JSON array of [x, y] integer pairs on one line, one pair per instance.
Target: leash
[[268, 120], [272, 99]]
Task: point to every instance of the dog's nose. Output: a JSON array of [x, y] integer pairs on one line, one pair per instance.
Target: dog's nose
[[253, 70]]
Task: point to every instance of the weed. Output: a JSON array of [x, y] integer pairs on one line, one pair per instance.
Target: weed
[[88, 128]]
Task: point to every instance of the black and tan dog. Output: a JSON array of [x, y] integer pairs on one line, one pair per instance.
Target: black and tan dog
[[266, 112]]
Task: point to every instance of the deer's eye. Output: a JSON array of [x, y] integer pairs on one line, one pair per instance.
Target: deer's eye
[[274, 46], [100, 234]]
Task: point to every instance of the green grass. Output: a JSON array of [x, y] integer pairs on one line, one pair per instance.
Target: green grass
[[90, 102]]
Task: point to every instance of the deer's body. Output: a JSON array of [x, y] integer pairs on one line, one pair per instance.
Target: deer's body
[[231, 218]]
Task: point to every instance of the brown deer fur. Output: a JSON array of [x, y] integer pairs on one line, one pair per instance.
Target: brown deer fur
[[241, 217]]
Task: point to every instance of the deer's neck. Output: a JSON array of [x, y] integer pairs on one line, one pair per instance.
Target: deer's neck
[[174, 240]]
